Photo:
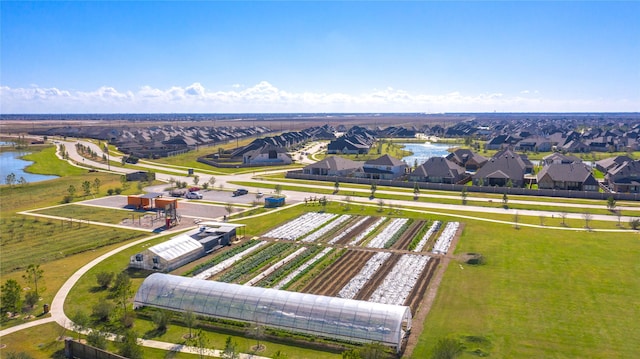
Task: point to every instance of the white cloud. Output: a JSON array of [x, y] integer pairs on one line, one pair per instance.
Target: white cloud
[[265, 97]]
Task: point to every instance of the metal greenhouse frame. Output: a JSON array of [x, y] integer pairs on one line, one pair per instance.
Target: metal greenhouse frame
[[345, 319]]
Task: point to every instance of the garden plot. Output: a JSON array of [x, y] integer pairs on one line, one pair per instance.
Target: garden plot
[[358, 282], [399, 283], [301, 226], [337, 275], [432, 230], [308, 264], [274, 267], [228, 263], [388, 233], [326, 229], [354, 229], [366, 232], [444, 241]]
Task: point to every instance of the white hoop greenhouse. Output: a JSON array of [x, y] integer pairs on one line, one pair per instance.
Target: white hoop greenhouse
[[344, 319]]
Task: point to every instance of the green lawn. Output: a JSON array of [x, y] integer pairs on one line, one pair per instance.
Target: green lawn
[[542, 294]]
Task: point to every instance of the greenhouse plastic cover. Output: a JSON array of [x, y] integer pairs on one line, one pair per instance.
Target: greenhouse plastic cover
[[346, 319], [176, 247]]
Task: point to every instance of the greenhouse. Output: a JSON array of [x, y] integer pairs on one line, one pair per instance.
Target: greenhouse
[[344, 319]]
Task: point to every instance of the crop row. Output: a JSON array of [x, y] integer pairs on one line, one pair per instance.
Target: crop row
[[347, 230], [254, 262], [398, 284], [301, 226], [219, 258], [301, 270], [433, 229], [223, 265], [351, 289], [367, 231], [444, 241], [274, 267], [326, 229], [289, 267], [393, 229]]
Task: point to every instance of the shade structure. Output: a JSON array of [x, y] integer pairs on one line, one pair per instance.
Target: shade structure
[[344, 319]]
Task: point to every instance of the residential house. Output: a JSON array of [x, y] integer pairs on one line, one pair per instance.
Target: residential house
[[333, 166], [468, 159], [567, 176], [506, 168], [625, 178], [438, 170], [607, 164], [558, 157], [384, 167], [267, 155]]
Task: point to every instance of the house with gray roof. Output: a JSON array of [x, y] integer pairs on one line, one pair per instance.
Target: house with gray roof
[[333, 166], [466, 158], [503, 169], [607, 164], [267, 155], [567, 176], [438, 170], [383, 167], [625, 178], [558, 157]]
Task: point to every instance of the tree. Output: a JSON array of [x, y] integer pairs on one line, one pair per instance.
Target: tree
[[634, 223], [611, 203], [31, 298], [190, 320], [22, 181], [464, 195], [201, 342], [10, 299], [416, 190], [212, 181], [34, 275], [509, 183], [196, 180], [542, 218], [97, 339], [104, 279], [380, 205], [81, 322], [102, 310], [229, 208], [160, 318], [229, 351], [257, 331], [516, 218], [86, 188], [10, 179], [374, 187], [336, 186], [447, 348], [373, 351], [122, 289], [96, 185], [278, 189], [505, 201], [587, 218], [563, 215], [71, 190], [129, 347]]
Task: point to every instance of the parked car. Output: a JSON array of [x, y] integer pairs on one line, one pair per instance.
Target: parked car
[[193, 195], [240, 192]]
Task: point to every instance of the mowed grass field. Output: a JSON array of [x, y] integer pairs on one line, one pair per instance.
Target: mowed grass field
[[542, 294]]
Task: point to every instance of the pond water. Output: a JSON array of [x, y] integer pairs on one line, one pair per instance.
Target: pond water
[[10, 162], [424, 151]]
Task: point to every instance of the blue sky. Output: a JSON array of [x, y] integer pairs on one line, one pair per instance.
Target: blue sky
[[357, 56]]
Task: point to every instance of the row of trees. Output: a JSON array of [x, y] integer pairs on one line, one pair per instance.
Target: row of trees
[[11, 180], [11, 297]]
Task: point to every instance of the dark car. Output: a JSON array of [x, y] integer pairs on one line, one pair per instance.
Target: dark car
[[240, 192]]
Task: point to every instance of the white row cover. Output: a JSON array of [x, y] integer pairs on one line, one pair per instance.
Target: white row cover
[[398, 284], [366, 232], [387, 233], [275, 267], [227, 263], [338, 318], [433, 229], [444, 241], [300, 226], [327, 228], [348, 230], [300, 269], [356, 283]]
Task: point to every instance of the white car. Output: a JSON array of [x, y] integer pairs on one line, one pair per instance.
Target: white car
[[193, 195]]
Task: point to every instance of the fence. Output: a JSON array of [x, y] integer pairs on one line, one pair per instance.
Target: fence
[[77, 350], [298, 174]]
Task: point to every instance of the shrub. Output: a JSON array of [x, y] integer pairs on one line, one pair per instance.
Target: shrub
[[102, 310], [110, 192], [104, 279], [31, 298], [118, 190]]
